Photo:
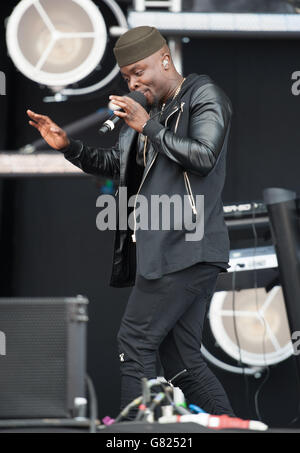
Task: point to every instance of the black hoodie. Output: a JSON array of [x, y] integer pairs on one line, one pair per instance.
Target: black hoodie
[[205, 113], [187, 158]]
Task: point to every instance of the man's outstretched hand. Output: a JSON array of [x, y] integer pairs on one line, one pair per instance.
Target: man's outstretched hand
[[51, 132]]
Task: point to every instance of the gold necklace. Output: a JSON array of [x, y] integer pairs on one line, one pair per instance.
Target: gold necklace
[[175, 94], [178, 88], [162, 109]]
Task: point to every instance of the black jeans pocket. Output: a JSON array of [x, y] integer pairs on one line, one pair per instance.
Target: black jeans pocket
[[152, 286], [203, 282]]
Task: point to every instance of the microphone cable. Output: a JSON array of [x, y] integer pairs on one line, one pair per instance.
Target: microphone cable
[[240, 363], [93, 404], [256, 395]]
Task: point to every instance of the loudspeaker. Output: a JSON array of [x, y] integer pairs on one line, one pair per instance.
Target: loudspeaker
[[42, 356], [56, 43], [252, 327]]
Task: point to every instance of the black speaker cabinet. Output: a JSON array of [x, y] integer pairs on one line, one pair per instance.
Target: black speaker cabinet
[[42, 356]]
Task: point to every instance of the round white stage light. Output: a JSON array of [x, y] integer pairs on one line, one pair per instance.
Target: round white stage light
[[56, 43], [261, 324]]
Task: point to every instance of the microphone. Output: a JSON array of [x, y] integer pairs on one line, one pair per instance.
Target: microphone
[[112, 121]]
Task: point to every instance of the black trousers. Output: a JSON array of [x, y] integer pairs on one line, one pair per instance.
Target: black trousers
[[166, 315]]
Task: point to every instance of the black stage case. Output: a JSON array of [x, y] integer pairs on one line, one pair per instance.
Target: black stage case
[[43, 356]]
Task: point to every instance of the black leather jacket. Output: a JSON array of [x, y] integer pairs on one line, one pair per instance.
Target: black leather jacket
[[187, 157]]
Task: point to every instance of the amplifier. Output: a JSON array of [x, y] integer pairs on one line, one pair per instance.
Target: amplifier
[[254, 266], [252, 258], [42, 356]]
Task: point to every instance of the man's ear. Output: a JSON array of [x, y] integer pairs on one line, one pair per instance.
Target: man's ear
[[165, 63], [165, 57]]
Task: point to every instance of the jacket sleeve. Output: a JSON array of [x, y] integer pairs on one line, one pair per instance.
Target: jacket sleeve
[[210, 114], [96, 161]]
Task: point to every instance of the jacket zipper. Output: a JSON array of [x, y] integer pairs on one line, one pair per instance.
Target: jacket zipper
[[178, 117], [189, 192], [150, 165], [185, 175], [133, 235]]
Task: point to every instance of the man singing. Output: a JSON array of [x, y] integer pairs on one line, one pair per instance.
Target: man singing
[[177, 146]]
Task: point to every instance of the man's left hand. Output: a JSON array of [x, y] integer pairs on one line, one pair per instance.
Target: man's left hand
[[134, 114]]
